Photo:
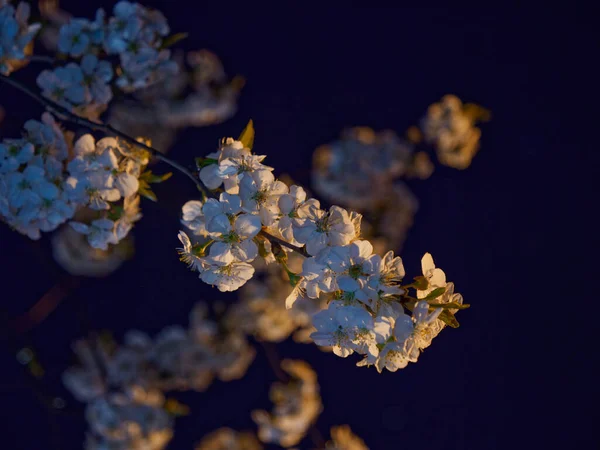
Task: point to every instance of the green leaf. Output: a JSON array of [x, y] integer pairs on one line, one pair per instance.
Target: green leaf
[[247, 136], [203, 162], [435, 293], [451, 305], [149, 177], [145, 191], [173, 39], [176, 408], [448, 318]]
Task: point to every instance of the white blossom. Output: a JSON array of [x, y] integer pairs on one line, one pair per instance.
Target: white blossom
[[320, 228], [79, 35], [188, 254], [82, 87], [260, 193], [345, 328], [353, 266], [227, 277]]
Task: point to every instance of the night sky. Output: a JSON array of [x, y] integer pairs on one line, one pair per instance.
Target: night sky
[[513, 231]]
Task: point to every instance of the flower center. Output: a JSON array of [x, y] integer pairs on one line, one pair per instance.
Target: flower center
[[322, 224], [231, 237], [355, 271], [260, 196]]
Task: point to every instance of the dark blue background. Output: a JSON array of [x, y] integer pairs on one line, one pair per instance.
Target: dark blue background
[[513, 232]]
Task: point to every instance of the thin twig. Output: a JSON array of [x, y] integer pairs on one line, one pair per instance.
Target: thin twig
[[45, 305], [69, 116], [41, 59], [109, 129], [272, 238], [274, 361]]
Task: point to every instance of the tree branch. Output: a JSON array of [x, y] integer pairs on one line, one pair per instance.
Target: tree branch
[[69, 116]]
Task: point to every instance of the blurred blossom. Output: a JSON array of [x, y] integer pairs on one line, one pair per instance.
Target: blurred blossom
[[200, 94], [297, 405], [228, 439], [132, 420], [342, 438], [261, 312], [177, 358], [450, 127], [85, 380], [358, 168], [72, 251], [362, 171]]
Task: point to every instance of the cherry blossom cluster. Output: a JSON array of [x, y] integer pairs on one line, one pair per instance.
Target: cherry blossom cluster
[[16, 35], [176, 359], [450, 127], [104, 177], [34, 189], [133, 33], [297, 404], [134, 419], [124, 385], [45, 181], [367, 298], [359, 167]]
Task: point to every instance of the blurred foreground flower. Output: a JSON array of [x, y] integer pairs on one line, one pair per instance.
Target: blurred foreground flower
[[74, 254], [133, 420], [228, 439], [297, 406]]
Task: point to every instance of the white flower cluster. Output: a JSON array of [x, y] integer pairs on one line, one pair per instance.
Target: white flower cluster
[[101, 174], [297, 406], [33, 186], [228, 439], [450, 127], [15, 35], [391, 339], [82, 87], [175, 359], [366, 315], [132, 420]]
